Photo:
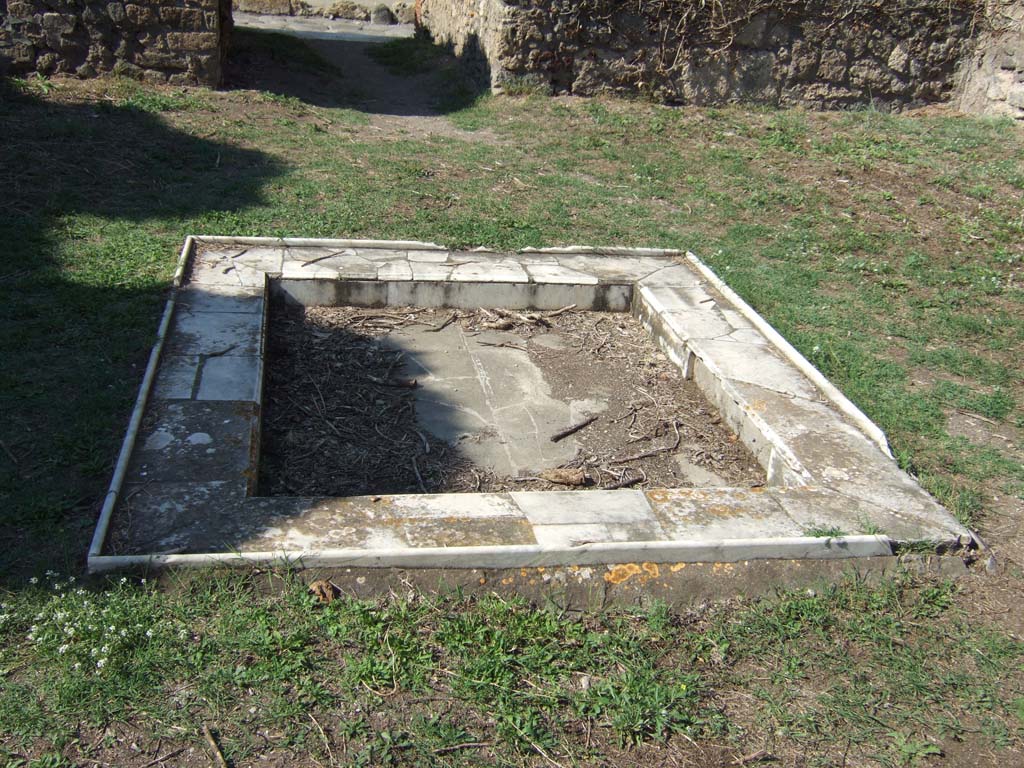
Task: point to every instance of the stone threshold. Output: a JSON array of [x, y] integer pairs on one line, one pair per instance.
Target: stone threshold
[[182, 491]]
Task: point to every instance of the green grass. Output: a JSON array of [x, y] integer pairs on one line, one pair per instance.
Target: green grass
[[359, 680], [888, 249]]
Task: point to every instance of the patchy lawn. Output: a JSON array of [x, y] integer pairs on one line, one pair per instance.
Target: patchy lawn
[[888, 249]]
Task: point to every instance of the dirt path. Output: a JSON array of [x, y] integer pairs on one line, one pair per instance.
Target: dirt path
[[404, 105]]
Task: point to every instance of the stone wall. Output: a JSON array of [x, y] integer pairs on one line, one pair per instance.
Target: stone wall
[[481, 33], [993, 75], [176, 41], [820, 53]]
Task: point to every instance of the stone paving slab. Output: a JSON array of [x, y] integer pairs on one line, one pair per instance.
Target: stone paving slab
[[182, 492]]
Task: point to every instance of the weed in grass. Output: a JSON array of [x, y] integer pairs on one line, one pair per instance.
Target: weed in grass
[[787, 131], [910, 751], [822, 531], [641, 704], [870, 528], [129, 94]]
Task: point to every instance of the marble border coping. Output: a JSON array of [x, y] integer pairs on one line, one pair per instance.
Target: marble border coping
[[828, 465]]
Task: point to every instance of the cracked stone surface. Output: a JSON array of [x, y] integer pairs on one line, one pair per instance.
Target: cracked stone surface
[[493, 402]]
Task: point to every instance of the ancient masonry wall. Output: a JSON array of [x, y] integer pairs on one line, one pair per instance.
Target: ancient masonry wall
[[483, 34], [993, 76], [161, 41], [818, 53]]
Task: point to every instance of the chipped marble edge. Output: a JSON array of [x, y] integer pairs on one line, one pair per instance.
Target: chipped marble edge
[[524, 556], [138, 411]]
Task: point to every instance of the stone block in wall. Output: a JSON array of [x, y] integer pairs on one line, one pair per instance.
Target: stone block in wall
[[803, 61], [22, 53], [1015, 95], [872, 77], [152, 59], [272, 7], [154, 77], [19, 9], [191, 41], [140, 15], [832, 66], [59, 23], [183, 19], [47, 63], [754, 76], [753, 34]]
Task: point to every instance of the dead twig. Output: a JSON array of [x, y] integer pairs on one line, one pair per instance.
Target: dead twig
[[419, 477], [323, 736], [571, 430], [218, 756], [626, 483], [653, 451], [443, 324], [426, 443], [322, 258], [754, 757], [10, 454], [499, 325], [401, 383], [561, 311], [506, 344], [972, 415], [159, 760], [465, 745]]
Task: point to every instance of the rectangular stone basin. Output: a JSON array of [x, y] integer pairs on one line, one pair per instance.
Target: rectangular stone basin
[[185, 488]]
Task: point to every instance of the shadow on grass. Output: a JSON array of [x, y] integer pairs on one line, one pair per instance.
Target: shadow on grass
[[96, 198], [409, 77]]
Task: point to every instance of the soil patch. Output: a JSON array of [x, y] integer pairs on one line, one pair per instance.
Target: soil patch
[[353, 405]]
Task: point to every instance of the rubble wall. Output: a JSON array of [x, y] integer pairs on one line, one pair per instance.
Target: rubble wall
[[160, 41], [818, 53]]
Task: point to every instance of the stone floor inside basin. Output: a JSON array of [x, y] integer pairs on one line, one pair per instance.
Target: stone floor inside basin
[[185, 491], [414, 400]]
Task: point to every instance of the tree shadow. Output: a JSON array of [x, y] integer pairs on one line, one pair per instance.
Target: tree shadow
[[96, 196], [406, 77]]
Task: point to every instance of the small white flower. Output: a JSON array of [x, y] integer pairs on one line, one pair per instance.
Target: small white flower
[[105, 649], [123, 580], [101, 664], [33, 580], [78, 665], [142, 581], [63, 649], [816, 349], [149, 633]]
